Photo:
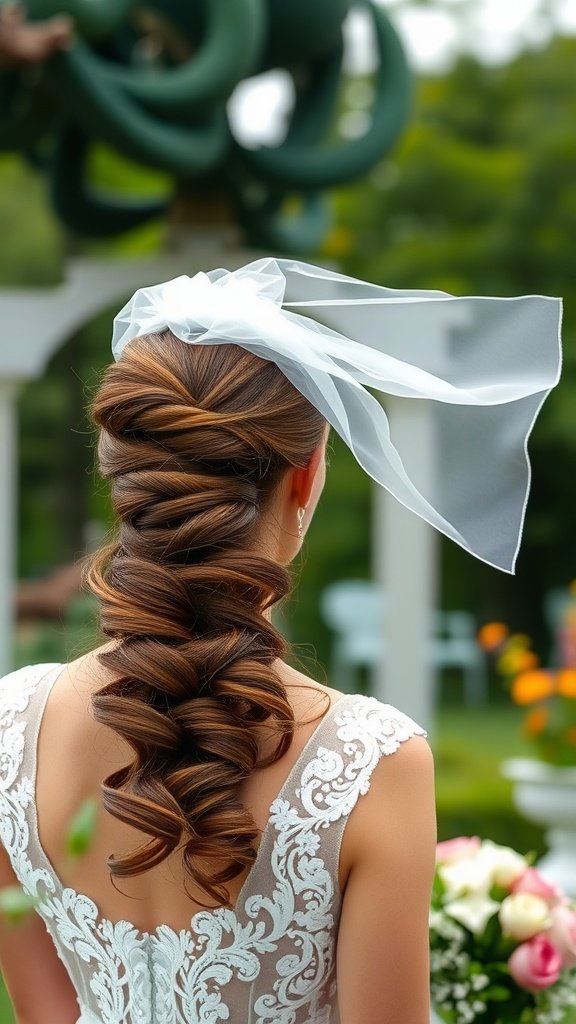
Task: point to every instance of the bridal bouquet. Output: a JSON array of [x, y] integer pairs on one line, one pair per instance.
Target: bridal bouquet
[[503, 939]]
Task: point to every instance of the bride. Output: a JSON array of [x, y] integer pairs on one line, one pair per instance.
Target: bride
[[265, 845]]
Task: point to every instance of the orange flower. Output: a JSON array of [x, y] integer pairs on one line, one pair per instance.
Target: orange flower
[[527, 660], [566, 682], [529, 687], [572, 735], [492, 635], [535, 721]]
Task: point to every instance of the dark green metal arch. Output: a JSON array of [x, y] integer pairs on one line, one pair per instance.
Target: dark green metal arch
[[83, 210], [172, 116], [231, 48], [117, 119], [292, 165]]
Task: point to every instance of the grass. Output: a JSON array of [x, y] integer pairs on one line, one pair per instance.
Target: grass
[[469, 747], [6, 1015], [472, 797]]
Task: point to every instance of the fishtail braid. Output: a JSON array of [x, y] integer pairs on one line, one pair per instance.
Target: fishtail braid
[[193, 439]]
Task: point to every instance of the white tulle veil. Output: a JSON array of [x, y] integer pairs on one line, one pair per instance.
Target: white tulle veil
[[486, 364]]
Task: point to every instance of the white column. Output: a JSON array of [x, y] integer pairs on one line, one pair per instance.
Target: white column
[[406, 567], [405, 547], [8, 492]]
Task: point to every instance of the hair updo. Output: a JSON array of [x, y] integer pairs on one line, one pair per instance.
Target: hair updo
[[194, 439]]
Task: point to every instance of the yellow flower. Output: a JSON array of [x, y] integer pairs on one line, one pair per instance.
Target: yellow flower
[[529, 687], [520, 641], [515, 660], [492, 635], [338, 242], [566, 682]]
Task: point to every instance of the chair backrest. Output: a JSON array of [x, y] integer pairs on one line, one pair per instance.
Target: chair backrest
[[459, 625], [359, 606], [353, 606]]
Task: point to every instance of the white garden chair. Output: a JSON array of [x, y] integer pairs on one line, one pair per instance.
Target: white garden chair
[[356, 610]]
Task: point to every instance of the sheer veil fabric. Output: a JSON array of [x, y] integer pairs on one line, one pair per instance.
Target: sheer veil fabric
[[486, 365]]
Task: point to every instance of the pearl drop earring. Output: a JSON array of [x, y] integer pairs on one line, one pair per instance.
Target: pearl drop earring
[[301, 513]]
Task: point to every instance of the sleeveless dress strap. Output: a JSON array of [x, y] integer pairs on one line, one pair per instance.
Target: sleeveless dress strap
[[23, 695], [309, 815]]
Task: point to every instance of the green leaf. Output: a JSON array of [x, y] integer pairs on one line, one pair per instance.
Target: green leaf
[[438, 890], [81, 829], [499, 893], [497, 993], [448, 1016], [16, 905], [491, 935]]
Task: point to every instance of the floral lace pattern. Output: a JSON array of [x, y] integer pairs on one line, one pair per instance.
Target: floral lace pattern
[[268, 961]]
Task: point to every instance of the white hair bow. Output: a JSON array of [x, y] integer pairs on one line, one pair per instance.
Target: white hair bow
[[487, 364]]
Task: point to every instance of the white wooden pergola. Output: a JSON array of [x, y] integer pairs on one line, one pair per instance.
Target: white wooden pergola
[[37, 322]]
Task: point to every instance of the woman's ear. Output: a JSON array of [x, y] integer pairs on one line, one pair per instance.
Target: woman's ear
[[301, 489], [304, 479]]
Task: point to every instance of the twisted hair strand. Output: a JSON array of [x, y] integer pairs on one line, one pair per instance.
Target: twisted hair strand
[[194, 440]]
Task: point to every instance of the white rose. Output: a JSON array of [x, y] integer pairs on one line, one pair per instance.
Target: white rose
[[466, 877], [523, 915], [504, 863], [472, 911]]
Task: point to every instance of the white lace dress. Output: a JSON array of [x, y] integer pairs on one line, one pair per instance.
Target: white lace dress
[[271, 960]]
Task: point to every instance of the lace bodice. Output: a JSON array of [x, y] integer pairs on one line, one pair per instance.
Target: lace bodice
[[271, 960]]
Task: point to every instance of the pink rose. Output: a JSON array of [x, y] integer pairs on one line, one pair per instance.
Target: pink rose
[[535, 964], [531, 881], [563, 934], [453, 850]]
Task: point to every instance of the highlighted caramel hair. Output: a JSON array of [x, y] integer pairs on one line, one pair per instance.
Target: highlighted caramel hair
[[194, 440]]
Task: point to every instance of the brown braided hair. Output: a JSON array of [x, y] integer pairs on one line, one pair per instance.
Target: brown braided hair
[[194, 439]]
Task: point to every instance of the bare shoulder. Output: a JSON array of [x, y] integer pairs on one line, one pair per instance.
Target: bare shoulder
[[399, 780], [397, 813]]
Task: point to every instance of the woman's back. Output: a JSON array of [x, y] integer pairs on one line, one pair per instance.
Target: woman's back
[[75, 754], [161, 958]]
